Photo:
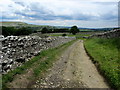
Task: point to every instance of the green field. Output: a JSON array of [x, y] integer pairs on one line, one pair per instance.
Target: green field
[[70, 35], [80, 34], [106, 55]]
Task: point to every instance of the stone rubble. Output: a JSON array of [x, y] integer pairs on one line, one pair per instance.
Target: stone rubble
[[16, 50]]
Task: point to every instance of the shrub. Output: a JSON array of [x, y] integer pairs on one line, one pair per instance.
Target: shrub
[[64, 34]]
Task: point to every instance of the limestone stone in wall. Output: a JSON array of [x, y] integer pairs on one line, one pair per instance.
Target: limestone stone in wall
[[16, 50], [109, 34]]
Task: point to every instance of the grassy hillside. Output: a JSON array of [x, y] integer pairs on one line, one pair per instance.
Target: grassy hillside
[[106, 54], [13, 23]]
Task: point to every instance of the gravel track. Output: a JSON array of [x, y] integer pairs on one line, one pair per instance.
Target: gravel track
[[74, 69]]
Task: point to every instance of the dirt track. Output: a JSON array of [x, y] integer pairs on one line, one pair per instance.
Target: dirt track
[[73, 69]]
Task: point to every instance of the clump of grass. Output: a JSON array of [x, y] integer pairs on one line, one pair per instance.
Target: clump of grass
[[106, 52]]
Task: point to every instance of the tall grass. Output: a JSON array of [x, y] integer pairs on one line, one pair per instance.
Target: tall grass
[[106, 52]]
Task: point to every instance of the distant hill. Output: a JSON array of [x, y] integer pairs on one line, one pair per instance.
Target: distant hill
[[13, 24], [23, 24], [39, 27]]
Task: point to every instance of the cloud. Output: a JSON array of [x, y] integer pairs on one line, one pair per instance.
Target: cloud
[[59, 10]]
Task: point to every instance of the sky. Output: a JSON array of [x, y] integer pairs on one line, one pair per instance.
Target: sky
[[82, 13]]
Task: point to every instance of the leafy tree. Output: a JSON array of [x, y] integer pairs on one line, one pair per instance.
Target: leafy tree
[[44, 30], [7, 31], [24, 31], [74, 30]]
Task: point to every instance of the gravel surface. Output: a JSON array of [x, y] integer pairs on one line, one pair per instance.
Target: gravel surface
[[74, 69]]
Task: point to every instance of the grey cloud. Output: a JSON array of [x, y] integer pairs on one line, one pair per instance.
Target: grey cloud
[[43, 12], [20, 3]]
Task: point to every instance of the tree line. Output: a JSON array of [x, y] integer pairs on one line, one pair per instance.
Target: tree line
[[7, 31], [73, 30]]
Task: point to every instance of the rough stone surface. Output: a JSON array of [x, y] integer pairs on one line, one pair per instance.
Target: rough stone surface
[[109, 34], [16, 50]]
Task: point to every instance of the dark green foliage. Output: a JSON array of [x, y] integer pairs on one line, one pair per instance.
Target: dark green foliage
[[64, 34], [62, 30], [116, 28], [47, 30], [7, 31], [24, 31], [74, 30], [44, 30]]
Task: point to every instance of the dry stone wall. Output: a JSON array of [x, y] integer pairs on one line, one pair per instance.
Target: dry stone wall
[[16, 50], [109, 34]]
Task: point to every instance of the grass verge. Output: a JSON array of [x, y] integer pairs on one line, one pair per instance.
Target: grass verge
[[43, 65], [106, 53]]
